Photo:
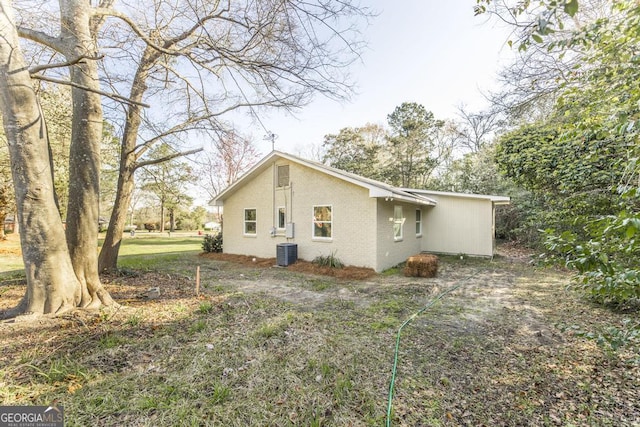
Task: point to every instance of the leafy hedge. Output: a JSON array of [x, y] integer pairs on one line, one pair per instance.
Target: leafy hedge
[[606, 261]]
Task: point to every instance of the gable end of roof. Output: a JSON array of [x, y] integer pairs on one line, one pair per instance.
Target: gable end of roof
[[376, 189]]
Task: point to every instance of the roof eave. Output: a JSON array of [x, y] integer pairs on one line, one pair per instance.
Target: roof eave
[[497, 200], [219, 199], [380, 193]]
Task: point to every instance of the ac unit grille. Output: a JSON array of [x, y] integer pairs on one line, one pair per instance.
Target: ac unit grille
[[286, 254]]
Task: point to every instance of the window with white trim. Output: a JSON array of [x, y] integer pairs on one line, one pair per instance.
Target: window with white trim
[[323, 222], [282, 217], [418, 222], [250, 222], [398, 222]]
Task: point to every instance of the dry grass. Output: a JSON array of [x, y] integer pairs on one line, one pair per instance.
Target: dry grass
[[15, 251], [10, 256], [254, 350]]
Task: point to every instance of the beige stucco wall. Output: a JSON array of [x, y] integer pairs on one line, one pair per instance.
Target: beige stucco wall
[[392, 252], [354, 216], [459, 225]]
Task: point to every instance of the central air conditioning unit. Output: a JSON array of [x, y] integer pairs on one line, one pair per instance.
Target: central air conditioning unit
[[286, 254]]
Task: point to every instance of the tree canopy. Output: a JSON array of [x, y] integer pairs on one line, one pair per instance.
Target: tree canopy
[[168, 182], [356, 150], [405, 154]]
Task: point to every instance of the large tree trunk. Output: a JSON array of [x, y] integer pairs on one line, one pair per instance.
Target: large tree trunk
[[3, 217], [16, 224], [84, 157], [108, 259], [161, 215], [52, 286], [6, 198]]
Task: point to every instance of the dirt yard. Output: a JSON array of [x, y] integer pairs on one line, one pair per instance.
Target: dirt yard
[[264, 345]]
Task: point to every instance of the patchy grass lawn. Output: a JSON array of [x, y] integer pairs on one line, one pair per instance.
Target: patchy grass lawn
[[11, 265], [145, 251], [273, 346], [150, 251]]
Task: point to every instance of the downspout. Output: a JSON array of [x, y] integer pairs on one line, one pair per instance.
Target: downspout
[[493, 229], [273, 200], [291, 212]]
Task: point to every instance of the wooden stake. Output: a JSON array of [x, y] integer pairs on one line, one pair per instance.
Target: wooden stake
[[198, 281]]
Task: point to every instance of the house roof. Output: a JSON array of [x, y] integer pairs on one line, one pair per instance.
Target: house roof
[[498, 200], [376, 189]]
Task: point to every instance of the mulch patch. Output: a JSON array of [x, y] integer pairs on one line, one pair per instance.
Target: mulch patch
[[346, 273]]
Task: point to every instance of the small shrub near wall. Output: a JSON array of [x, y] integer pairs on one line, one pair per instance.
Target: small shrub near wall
[[212, 243], [331, 261]]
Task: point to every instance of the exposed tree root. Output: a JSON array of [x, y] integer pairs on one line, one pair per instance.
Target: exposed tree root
[[15, 311], [19, 313]]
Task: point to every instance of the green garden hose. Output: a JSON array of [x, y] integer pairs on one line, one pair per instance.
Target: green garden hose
[[395, 357]]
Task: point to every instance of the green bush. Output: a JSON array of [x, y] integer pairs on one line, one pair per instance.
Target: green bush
[[212, 243], [613, 338], [605, 257]]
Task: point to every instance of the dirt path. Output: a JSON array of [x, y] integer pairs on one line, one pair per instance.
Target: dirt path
[[486, 291]]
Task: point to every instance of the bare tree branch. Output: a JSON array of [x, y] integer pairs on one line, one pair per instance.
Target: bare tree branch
[[98, 20], [40, 68], [167, 158], [40, 37], [166, 48], [70, 83]]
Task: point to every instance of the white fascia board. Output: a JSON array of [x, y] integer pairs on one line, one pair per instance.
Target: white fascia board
[[414, 200], [380, 193], [498, 200], [377, 192]]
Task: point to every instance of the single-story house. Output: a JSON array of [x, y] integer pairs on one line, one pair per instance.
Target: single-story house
[[212, 225], [325, 211]]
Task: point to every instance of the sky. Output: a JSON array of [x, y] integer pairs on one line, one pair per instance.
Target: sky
[[433, 52]]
